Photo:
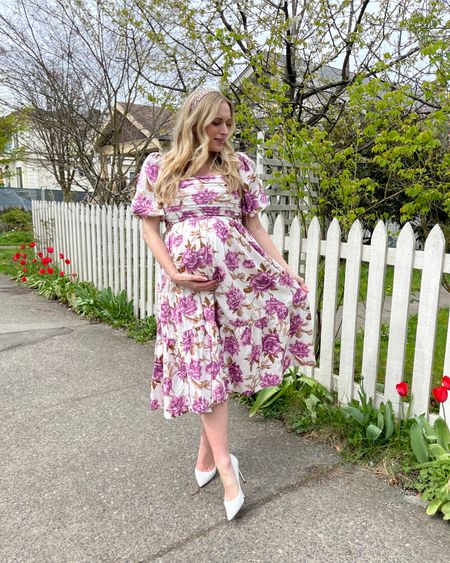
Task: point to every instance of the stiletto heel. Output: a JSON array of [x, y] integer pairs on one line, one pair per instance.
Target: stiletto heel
[[233, 506], [204, 477]]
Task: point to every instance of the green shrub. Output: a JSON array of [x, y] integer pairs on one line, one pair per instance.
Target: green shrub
[[16, 219]]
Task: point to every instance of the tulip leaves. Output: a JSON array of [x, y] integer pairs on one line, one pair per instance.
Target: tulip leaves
[[431, 446], [378, 423]]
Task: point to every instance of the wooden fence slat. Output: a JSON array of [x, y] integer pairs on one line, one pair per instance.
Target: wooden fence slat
[[110, 248], [98, 236], [83, 262], [136, 230], [398, 325], [278, 234], [426, 321], [121, 263], [295, 244], [93, 213], [150, 283], [104, 248], [374, 307], [116, 245], [349, 314], [89, 230], [325, 373], [128, 253], [142, 277], [78, 241], [312, 268]]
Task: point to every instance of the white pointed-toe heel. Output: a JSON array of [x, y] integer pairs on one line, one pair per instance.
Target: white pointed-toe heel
[[204, 477], [233, 506]]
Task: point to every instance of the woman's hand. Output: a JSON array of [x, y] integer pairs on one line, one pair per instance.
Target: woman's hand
[[196, 282], [301, 281]]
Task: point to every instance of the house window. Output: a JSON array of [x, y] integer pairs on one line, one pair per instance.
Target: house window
[[19, 177]]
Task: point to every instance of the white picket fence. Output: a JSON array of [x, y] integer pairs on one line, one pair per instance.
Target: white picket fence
[[106, 247]]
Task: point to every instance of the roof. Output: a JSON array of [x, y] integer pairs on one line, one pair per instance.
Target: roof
[[143, 122]]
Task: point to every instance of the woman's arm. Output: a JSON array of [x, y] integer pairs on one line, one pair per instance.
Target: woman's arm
[[259, 233], [152, 237]]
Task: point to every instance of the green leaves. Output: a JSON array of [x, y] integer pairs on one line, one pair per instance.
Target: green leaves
[[418, 443], [378, 422], [431, 446]]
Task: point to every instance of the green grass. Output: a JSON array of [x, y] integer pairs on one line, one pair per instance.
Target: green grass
[[439, 351], [16, 237], [6, 264], [388, 283]]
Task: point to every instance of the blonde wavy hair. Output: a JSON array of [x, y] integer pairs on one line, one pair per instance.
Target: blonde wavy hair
[[189, 150]]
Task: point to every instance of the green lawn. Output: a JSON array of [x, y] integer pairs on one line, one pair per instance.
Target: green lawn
[[15, 237], [388, 283], [6, 264], [439, 351]]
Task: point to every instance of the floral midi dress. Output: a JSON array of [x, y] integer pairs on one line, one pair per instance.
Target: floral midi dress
[[245, 334]]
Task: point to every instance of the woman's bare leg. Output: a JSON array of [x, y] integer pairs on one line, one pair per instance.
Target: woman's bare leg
[[215, 424], [205, 459]]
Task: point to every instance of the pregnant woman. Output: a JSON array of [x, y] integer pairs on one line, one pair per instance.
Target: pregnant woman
[[232, 315]]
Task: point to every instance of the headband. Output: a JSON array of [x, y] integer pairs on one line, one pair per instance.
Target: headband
[[201, 93]]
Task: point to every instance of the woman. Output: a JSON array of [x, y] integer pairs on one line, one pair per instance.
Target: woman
[[232, 315]]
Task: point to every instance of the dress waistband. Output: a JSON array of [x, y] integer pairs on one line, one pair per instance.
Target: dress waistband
[[202, 217]]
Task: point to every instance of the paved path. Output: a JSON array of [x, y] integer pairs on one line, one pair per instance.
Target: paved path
[[88, 474]]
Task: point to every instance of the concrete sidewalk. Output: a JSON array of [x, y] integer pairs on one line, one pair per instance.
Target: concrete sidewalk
[[89, 474]]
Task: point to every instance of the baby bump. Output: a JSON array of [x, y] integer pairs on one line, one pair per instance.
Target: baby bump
[[192, 252]]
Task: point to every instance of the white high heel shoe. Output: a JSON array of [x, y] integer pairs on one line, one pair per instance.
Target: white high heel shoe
[[204, 477], [233, 506]]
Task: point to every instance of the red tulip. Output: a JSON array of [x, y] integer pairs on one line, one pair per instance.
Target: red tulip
[[402, 388], [24, 279], [61, 255], [17, 255], [23, 255], [61, 273], [24, 270], [40, 254], [67, 261], [32, 244], [50, 270], [50, 249], [446, 382], [22, 262], [440, 394], [42, 271], [34, 260], [15, 258], [22, 246]]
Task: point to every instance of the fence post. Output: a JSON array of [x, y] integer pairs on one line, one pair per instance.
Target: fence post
[[433, 260], [398, 325], [332, 256], [349, 313], [374, 308]]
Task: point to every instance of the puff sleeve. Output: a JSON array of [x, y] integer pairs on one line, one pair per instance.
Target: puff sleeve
[[254, 197], [144, 203]]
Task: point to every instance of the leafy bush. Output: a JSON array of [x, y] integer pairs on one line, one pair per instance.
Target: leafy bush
[[431, 446], [84, 300], [15, 219]]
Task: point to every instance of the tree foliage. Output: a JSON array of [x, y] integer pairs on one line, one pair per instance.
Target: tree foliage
[[353, 95]]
